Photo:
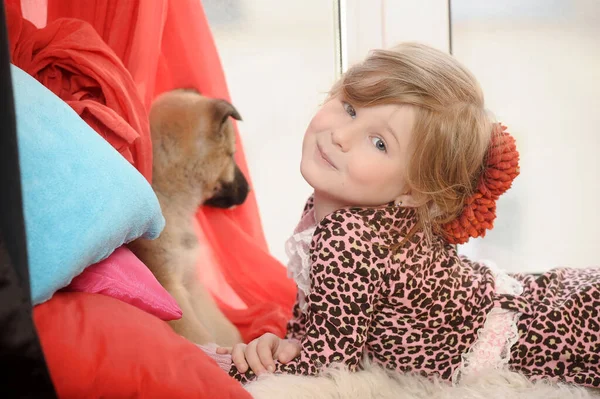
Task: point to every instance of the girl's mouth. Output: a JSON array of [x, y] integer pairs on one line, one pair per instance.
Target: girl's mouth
[[325, 157]]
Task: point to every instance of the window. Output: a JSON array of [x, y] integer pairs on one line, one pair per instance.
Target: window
[[280, 60]]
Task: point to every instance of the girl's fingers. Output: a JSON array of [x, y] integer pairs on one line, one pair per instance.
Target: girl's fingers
[[238, 357], [224, 350], [266, 347], [288, 350], [252, 358]]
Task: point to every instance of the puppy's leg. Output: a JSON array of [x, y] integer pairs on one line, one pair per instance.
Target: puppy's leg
[[189, 326], [207, 311]]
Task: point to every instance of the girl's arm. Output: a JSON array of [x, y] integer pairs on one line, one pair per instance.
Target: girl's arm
[[346, 275]]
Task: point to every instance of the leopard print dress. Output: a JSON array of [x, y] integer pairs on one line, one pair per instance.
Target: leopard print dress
[[418, 307]]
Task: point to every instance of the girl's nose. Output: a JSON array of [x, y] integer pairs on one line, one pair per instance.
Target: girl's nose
[[342, 137]]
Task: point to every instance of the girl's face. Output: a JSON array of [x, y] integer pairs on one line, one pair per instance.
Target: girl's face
[[357, 156]]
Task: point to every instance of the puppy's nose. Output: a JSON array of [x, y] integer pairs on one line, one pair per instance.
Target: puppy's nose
[[241, 184], [231, 193]]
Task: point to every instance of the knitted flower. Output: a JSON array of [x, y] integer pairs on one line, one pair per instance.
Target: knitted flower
[[502, 167]]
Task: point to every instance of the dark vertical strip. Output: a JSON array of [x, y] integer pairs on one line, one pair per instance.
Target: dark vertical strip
[[11, 212], [24, 371], [450, 26], [339, 38]]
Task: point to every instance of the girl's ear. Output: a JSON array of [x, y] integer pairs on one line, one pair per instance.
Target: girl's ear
[[406, 200]]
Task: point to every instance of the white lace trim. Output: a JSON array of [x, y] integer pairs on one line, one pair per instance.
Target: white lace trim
[[297, 248], [491, 349]]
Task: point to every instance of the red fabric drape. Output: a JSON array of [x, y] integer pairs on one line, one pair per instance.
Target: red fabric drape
[[166, 44], [71, 59]]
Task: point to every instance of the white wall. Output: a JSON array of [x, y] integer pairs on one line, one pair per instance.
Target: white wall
[[539, 64], [383, 23]]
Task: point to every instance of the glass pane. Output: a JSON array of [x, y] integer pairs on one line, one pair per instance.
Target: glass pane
[[539, 64], [279, 59]]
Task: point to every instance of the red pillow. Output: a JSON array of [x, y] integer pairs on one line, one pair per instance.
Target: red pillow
[[97, 346]]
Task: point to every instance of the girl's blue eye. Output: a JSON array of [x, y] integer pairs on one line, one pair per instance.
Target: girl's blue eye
[[379, 144], [349, 110]]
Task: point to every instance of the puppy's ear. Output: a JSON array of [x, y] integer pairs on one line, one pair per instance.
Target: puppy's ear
[[222, 111]]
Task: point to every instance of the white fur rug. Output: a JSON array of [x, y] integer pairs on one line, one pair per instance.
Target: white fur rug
[[375, 383]]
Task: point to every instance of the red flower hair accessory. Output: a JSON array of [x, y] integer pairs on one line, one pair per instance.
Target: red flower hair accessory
[[502, 167]]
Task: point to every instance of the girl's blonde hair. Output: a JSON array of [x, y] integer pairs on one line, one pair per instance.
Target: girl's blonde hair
[[452, 129]]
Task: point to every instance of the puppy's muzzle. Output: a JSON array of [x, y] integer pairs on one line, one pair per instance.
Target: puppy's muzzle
[[231, 193]]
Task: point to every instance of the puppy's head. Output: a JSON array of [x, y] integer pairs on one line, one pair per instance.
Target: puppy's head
[[194, 147]]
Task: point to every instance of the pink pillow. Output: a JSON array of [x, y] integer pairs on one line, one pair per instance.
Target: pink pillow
[[123, 276]]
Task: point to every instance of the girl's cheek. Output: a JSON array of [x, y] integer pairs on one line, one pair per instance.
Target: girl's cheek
[[361, 170]]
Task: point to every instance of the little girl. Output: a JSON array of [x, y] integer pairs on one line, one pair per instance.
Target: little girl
[[405, 163]]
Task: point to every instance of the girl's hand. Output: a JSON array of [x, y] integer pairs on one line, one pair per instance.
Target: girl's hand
[[259, 354]]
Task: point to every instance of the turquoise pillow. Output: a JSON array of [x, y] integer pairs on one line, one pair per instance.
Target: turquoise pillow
[[81, 198]]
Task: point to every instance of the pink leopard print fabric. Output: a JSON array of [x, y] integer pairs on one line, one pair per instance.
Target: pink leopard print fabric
[[560, 336], [413, 309]]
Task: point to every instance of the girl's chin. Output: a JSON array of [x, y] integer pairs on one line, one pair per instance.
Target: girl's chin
[[315, 177]]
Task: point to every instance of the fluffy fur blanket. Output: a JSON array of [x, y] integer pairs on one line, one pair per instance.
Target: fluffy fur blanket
[[375, 383]]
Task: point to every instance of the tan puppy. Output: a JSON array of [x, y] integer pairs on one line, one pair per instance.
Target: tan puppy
[[193, 147]]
